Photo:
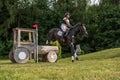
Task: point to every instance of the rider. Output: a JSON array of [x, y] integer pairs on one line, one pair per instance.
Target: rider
[[66, 24]]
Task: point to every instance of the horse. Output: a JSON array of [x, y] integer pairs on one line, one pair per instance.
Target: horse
[[57, 34]]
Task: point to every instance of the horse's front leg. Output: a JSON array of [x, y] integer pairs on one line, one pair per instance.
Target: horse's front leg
[[72, 51], [77, 51], [76, 56]]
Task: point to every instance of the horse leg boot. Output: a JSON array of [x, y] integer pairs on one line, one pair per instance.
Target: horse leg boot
[[72, 51], [76, 57], [77, 51], [47, 42]]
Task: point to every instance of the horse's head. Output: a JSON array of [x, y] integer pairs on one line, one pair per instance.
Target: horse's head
[[82, 29]]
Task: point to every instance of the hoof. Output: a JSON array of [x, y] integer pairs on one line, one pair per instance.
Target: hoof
[[77, 58], [73, 61], [56, 61], [35, 61], [40, 60]]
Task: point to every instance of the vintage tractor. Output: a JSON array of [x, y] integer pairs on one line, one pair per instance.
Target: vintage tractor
[[25, 47]]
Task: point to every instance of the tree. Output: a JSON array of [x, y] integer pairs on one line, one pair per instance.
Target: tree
[[7, 15], [102, 21]]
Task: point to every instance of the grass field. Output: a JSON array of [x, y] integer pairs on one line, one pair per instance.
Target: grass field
[[102, 65]]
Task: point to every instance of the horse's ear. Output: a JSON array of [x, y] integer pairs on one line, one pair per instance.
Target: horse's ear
[[79, 23], [83, 24]]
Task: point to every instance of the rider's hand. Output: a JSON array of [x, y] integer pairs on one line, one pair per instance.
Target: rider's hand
[[70, 26]]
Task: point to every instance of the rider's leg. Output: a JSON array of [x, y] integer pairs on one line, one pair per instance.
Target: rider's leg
[[66, 33], [64, 29]]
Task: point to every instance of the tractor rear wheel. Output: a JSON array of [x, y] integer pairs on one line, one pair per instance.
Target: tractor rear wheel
[[21, 55], [11, 56]]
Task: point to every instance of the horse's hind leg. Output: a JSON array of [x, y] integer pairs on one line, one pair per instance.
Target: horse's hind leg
[[47, 42], [49, 39]]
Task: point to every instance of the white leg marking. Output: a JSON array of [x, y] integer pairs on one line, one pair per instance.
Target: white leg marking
[[50, 42], [72, 57], [75, 55], [47, 42]]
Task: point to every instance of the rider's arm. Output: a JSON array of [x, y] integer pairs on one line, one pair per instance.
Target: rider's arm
[[67, 23]]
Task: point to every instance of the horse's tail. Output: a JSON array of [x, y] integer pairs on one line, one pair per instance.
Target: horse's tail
[[50, 35], [49, 40]]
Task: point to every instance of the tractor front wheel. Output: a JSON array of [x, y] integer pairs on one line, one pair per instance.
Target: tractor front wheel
[[52, 56]]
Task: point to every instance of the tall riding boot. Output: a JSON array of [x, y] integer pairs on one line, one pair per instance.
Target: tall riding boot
[[63, 36], [66, 33]]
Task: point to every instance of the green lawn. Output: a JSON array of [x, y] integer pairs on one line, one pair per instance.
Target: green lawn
[[102, 65]]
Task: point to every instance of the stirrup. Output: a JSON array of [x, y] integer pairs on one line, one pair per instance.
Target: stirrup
[[63, 40], [66, 33]]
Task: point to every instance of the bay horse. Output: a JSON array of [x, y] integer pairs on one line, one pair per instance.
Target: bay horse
[[56, 34]]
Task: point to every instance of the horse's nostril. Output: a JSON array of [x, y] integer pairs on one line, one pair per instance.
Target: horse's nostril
[[86, 35]]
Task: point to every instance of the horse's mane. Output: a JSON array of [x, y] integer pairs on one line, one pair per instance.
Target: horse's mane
[[79, 23]]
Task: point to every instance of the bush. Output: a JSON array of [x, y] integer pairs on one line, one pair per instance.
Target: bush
[[5, 48], [56, 43]]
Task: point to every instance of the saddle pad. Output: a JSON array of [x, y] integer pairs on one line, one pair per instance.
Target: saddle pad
[[60, 33]]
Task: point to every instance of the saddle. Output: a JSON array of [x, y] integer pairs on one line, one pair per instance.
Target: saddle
[[62, 33]]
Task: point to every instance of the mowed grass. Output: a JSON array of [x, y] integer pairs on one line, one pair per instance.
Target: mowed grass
[[102, 65]]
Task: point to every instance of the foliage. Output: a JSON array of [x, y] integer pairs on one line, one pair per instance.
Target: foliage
[[56, 43], [5, 47], [102, 21]]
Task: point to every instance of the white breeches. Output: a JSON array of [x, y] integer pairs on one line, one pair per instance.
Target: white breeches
[[64, 27]]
